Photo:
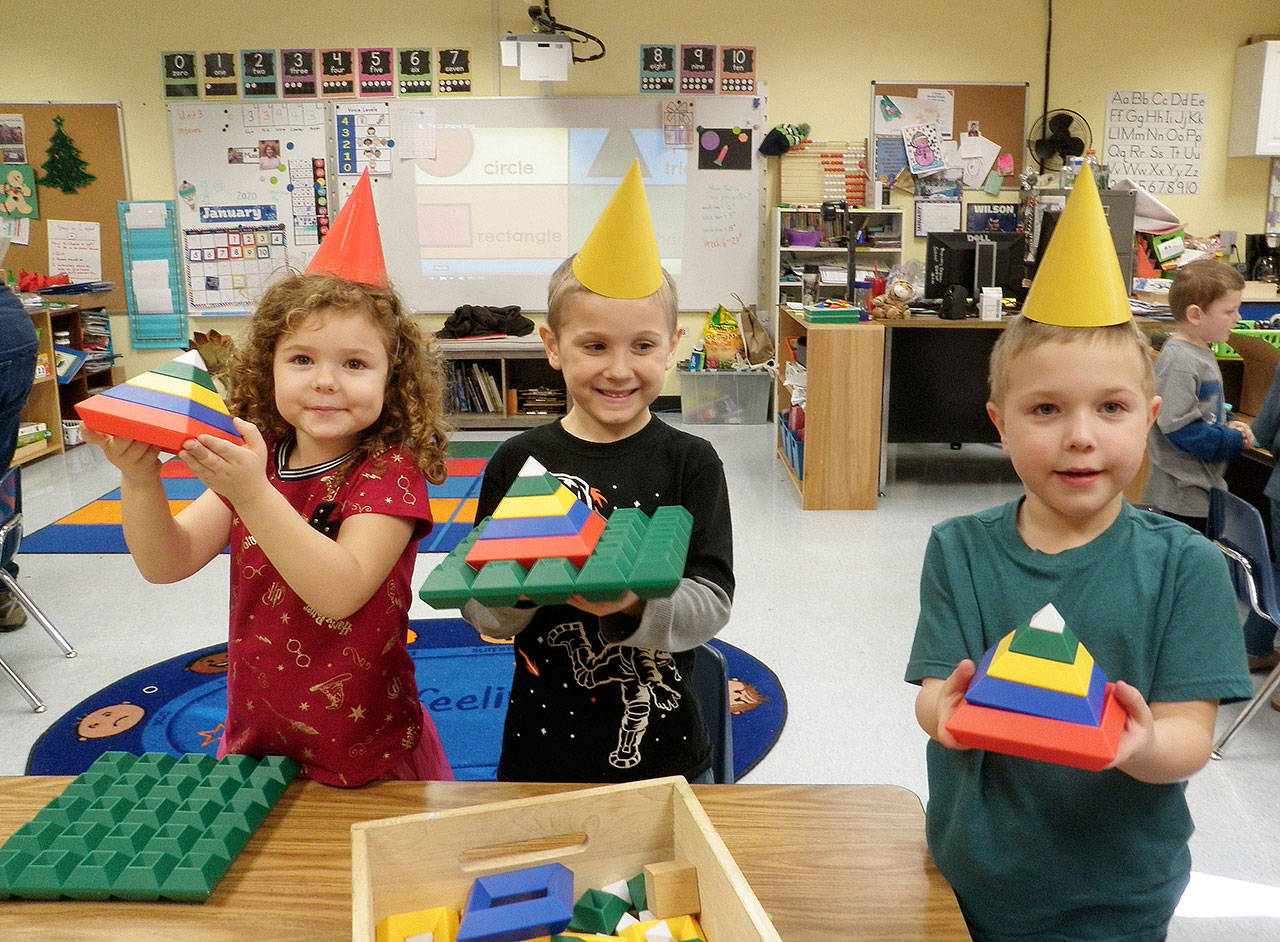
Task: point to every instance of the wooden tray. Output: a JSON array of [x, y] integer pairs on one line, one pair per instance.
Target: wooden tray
[[602, 834]]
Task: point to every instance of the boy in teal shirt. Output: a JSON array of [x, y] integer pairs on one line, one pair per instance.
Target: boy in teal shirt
[[1040, 851]]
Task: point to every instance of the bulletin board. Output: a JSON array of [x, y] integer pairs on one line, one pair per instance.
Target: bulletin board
[[252, 187], [97, 131], [485, 197], [1000, 109]]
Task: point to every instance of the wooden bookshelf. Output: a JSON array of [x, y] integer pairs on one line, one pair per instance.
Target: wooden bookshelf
[[516, 365]]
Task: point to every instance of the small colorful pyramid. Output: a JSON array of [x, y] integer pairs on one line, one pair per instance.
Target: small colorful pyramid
[[545, 544], [165, 407], [1038, 694]]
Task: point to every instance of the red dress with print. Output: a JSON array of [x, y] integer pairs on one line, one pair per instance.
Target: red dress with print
[[339, 696]]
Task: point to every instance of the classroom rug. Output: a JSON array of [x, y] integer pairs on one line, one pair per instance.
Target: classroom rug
[[95, 528], [178, 705]]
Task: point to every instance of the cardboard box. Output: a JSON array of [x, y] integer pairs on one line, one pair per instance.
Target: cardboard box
[[602, 834], [725, 397]]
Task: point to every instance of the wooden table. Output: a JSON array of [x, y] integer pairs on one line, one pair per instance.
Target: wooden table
[[827, 862]]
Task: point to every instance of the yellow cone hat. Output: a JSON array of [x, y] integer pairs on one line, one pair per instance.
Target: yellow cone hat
[[620, 257], [1079, 283]]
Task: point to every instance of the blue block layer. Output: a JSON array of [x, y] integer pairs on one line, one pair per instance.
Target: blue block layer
[[999, 694], [178, 405]]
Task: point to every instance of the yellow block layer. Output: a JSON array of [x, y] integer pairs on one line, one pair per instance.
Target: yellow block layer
[[441, 922], [1070, 678], [682, 927], [543, 505], [181, 387]]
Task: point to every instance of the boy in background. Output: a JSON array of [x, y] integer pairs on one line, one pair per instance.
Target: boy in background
[[1035, 850], [601, 689], [1194, 436]]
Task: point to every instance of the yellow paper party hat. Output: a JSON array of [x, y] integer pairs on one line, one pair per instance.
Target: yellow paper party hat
[[1078, 283], [620, 257]]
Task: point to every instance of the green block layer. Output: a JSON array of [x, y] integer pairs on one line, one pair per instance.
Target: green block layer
[[143, 827], [633, 552]]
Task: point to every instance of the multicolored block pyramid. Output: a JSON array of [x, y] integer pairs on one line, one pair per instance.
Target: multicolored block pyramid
[[165, 407], [1038, 694], [545, 544]]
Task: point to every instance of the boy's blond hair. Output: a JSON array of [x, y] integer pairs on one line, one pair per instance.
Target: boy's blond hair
[[1023, 335], [413, 403], [1201, 283], [564, 284]]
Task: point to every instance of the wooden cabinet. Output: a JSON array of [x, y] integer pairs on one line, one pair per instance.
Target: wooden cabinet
[[524, 387], [1255, 102], [43, 404], [50, 401], [844, 366]]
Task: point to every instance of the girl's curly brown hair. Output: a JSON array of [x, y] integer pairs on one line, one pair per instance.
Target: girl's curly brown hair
[[413, 406]]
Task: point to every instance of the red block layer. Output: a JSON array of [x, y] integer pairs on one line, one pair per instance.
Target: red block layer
[[528, 550], [1035, 737], [166, 430]]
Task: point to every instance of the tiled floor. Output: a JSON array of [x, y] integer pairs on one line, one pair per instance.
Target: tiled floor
[[827, 599]]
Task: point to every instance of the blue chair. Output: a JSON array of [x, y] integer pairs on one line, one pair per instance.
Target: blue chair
[[710, 682], [1236, 528], [10, 540]]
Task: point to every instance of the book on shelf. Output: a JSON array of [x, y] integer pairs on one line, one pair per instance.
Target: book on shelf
[[540, 400]]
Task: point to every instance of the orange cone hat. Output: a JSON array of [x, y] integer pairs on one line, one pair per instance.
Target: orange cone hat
[[620, 257], [353, 248], [1079, 283]]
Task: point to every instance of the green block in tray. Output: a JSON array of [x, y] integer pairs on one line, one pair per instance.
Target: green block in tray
[[144, 827], [633, 552]]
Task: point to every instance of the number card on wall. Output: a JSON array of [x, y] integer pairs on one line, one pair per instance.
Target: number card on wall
[[258, 68], [299, 67], [698, 69], [657, 69], [738, 70], [219, 75], [337, 73], [454, 73], [414, 75], [376, 67], [180, 75]]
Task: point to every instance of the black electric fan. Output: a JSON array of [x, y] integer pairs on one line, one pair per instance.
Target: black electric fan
[[1056, 136]]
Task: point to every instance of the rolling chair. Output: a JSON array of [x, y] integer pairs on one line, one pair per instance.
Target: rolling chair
[[710, 683], [10, 540], [1236, 528]]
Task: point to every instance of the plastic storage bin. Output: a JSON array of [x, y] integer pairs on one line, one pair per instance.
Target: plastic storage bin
[[725, 397]]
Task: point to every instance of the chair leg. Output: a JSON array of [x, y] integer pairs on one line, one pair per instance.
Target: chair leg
[[1269, 687], [34, 610], [27, 692]]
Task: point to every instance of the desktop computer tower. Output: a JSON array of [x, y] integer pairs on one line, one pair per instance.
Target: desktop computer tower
[[1119, 208]]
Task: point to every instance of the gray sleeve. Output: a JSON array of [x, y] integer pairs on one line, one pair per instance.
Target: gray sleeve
[[1177, 384], [497, 623], [692, 615]]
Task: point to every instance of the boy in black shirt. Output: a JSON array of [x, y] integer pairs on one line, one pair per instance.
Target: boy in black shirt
[[601, 691]]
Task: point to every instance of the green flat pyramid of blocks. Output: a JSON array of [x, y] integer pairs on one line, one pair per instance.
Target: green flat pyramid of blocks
[[634, 551], [154, 826]]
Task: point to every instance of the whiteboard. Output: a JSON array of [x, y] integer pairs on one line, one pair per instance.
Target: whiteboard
[[478, 199], [252, 195], [485, 197]]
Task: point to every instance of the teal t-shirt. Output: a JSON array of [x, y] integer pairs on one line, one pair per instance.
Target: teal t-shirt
[[1041, 851]]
